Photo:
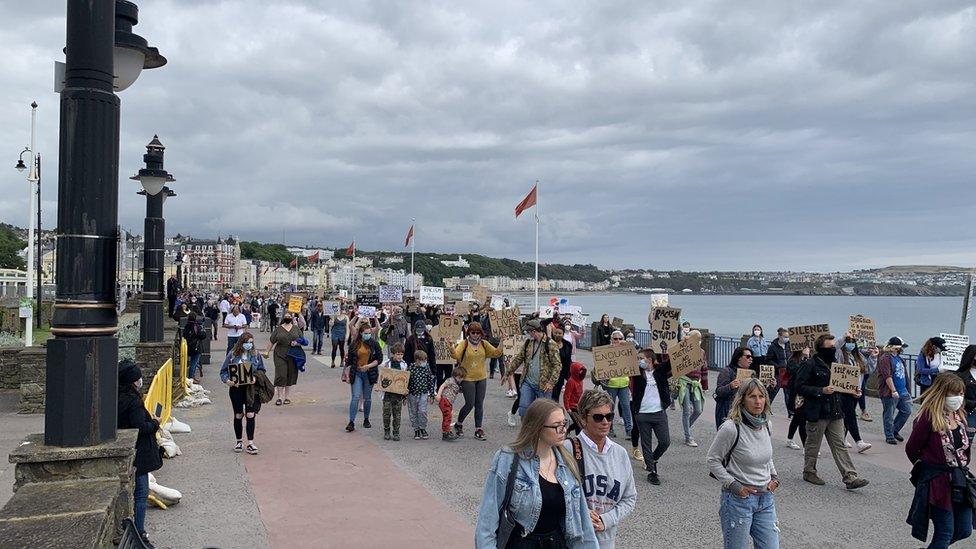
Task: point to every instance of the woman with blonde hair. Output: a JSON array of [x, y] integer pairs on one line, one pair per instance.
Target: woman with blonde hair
[[532, 496], [939, 448], [741, 458]]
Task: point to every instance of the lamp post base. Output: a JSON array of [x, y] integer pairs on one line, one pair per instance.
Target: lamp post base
[[82, 378], [150, 321]]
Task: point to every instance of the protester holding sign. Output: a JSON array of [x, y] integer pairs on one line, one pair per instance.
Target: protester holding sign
[[776, 355], [798, 423], [565, 359], [362, 372], [607, 476], [393, 402], [894, 389], [741, 458], [824, 415], [619, 390], [540, 356], [692, 386], [132, 414], [929, 362], [242, 358], [727, 384], [850, 354], [939, 449], [967, 371], [471, 355], [651, 400]]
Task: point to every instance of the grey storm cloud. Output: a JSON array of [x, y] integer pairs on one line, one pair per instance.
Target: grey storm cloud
[[694, 135]]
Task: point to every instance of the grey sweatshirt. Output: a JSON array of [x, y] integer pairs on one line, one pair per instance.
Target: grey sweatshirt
[[608, 486], [752, 459]]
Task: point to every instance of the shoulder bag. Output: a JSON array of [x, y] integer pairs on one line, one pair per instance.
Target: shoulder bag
[[507, 524]]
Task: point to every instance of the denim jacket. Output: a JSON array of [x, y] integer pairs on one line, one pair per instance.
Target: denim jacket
[[526, 502]]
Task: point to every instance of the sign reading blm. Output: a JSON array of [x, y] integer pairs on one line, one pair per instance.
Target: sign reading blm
[[615, 361], [845, 378], [665, 322], [391, 294]]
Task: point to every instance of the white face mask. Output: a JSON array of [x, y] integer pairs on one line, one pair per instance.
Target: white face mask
[[138, 383], [953, 403], [757, 333]]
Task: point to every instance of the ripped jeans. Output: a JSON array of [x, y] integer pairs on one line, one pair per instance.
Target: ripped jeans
[[753, 516]]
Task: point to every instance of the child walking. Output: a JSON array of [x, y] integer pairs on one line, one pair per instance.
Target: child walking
[[445, 400], [421, 389], [393, 402]]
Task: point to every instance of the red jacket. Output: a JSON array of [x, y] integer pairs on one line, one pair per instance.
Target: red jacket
[[574, 385]]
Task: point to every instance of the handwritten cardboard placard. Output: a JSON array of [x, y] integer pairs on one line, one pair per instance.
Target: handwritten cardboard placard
[[615, 361], [505, 322], [955, 345], [366, 311], [480, 294], [391, 294], [450, 327], [432, 295], [511, 346], [665, 323], [241, 372], [806, 336], [687, 357], [845, 378], [863, 331], [462, 308], [442, 351], [295, 303], [394, 381], [330, 308], [767, 374], [744, 373]]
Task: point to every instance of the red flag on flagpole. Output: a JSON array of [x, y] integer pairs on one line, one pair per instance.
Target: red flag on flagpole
[[294, 262], [351, 249], [409, 236], [526, 202], [314, 257]]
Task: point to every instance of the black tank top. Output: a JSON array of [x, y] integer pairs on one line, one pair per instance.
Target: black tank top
[[553, 512]]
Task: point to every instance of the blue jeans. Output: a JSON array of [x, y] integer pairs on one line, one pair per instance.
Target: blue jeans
[[193, 364], [691, 409], [753, 516], [893, 423], [140, 494], [360, 388], [527, 394], [623, 394], [950, 527], [317, 340]]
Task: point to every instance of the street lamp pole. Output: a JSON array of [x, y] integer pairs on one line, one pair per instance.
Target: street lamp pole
[[153, 178], [101, 54]]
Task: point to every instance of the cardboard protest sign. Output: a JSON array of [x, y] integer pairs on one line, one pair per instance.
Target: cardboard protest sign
[[744, 373], [845, 378], [617, 322], [955, 345], [687, 357], [330, 308], [366, 311], [806, 336], [371, 300], [462, 308], [480, 294], [394, 381], [665, 323], [391, 294], [505, 322], [443, 351], [241, 373], [767, 374], [467, 296], [511, 346], [411, 303], [863, 331], [615, 361], [432, 295], [497, 302], [295, 303], [450, 327]]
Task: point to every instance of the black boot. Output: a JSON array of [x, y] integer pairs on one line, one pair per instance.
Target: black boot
[[652, 473]]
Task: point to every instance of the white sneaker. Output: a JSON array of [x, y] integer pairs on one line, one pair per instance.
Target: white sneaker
[[512, 419], [637, 454], [691, 442], [792, 445], [863, 446]]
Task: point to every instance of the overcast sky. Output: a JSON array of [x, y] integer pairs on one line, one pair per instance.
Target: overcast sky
[[695, 135]]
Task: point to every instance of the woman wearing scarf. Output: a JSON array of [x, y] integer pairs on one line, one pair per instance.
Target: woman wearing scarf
[[691, 395]]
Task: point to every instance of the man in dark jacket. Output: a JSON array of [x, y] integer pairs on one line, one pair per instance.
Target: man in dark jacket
[[650, 408], [824, 415], [172, 289], [319, 323], [777, 355], [132, 414]]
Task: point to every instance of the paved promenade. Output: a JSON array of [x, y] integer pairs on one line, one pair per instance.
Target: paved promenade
[[314, 485]]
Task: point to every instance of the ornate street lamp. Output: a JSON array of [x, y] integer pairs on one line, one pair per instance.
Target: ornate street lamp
[[153, 179]]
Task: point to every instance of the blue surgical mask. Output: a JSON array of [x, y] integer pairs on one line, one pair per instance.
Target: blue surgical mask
[[248, 346], [367, 337], [849, 346]]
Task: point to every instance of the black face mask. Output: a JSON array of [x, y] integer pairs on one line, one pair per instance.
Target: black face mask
[[827, 354]]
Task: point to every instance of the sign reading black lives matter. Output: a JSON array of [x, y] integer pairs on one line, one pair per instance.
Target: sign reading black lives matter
[[504, 322], [806, 336], [665, 322], [615, 361]]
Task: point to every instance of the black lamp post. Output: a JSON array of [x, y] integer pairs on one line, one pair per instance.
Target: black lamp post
[[153, 179], [179, 269], [82, 358]]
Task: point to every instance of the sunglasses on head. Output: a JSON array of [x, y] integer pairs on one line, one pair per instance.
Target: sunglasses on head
[[600, 417]]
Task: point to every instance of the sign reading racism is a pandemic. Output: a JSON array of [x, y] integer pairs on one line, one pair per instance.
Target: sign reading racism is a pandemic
[[432, 295]]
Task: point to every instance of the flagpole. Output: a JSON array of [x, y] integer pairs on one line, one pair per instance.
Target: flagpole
[[413, 242], [354, 270], [537, 204]]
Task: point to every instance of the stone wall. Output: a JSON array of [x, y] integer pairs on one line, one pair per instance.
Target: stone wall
[[149, 358], [33, 365], [9, 368]]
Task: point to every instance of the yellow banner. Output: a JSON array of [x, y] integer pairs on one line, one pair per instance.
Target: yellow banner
[[159, 399]]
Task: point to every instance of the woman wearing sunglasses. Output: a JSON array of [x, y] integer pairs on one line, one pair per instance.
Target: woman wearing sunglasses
[[545, 504], [608, 478]]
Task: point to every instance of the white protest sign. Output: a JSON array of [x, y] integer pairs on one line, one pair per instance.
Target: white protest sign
[[432, 295], [570, 310], [467, 296], [330, 308], [497, 302], [578, 320], [545, 311], [367, 311], [955, 345], [659, 300], [391, 294], [343, 293]]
